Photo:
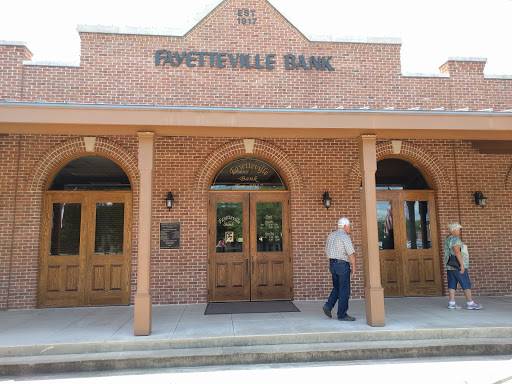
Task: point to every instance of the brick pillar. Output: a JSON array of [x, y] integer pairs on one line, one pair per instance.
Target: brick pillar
[[12, 55], [373, 291], [142, 299]]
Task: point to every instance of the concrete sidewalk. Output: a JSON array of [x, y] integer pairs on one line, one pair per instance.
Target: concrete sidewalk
[[83, 339]]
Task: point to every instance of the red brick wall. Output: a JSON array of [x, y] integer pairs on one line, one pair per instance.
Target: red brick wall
[[11, 71], [119, 69], [486, 230], [26, 169], [179, 276], [9, 149], [311, 166]]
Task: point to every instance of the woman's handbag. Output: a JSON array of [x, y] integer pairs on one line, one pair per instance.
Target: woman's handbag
[[453, 262]]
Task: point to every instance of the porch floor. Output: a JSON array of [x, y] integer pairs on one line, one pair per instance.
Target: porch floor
[[32, 334]]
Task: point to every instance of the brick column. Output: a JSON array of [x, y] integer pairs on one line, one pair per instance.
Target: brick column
[[142, 311], [373, 291]]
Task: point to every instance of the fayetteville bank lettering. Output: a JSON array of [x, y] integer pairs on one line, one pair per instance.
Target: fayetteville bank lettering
[[240, 60]]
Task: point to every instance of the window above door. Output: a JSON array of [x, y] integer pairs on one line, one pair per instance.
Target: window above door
[[398, 174], [248, 174], [90, 173]]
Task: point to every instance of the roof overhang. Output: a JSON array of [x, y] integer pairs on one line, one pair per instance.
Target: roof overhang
[[98, 119]]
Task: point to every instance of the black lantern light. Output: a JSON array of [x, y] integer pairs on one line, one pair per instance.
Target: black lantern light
[[168, 201], [480, 199], [327, 200]]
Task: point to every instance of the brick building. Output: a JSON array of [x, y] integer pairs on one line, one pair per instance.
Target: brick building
[[247, 123]]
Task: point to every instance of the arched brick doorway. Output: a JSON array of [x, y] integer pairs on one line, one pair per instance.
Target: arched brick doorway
[[85, 252], [249, 241], [407, 230]]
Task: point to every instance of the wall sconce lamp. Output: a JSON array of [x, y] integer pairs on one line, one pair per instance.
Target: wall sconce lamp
[[480, 199], [168, 201], [327, 200]]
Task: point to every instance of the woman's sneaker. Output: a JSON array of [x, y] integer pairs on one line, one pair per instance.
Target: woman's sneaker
[[474, 305], [454, 306]]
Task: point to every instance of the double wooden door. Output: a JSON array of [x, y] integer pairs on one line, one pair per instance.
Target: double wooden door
[[408, 243], [85, 255], [249, 257]]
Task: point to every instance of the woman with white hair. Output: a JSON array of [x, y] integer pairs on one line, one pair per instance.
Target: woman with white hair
[[453, 245]]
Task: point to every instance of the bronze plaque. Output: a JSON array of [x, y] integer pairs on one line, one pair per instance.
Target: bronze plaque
[[169, 235]]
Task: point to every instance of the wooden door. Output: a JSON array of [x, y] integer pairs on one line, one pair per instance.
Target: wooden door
[[270, 249], [62, 264], [419, 244], [85, 255], [249, 254], [389, 250], [109, 248], [408, 243], [228, 247]]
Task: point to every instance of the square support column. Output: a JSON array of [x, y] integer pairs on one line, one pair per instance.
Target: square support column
[[142, 310], [373, 291]]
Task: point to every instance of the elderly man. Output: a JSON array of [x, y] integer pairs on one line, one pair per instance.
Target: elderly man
[[341, 254]]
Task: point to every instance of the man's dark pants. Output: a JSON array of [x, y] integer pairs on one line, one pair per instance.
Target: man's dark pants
[[340, 272]]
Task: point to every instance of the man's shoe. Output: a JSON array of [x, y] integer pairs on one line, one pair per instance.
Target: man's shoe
[[454, 306], [327, 311], [475, 305], [347, 318]]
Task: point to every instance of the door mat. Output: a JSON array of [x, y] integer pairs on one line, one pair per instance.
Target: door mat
[[250, 307]]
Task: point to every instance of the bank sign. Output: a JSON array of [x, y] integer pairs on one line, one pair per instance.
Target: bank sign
[[241, 60]]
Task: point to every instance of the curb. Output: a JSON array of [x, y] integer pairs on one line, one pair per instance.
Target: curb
[[260, 354]]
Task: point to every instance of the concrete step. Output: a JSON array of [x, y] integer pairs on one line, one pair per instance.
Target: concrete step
[[146, 353], [255, 354], [146, 344]]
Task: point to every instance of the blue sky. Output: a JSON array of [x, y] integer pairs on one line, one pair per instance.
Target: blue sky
[[431, 31]]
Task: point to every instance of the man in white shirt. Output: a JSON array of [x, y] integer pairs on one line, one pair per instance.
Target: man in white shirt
[[341, 254]]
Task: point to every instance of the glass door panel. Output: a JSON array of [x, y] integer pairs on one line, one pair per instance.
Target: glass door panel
[[270, 226], [417, 224], [66, 223], [229, 227], [385, 224], [109, 234]]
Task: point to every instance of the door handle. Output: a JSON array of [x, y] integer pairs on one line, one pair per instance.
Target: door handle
[[246, 265]]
